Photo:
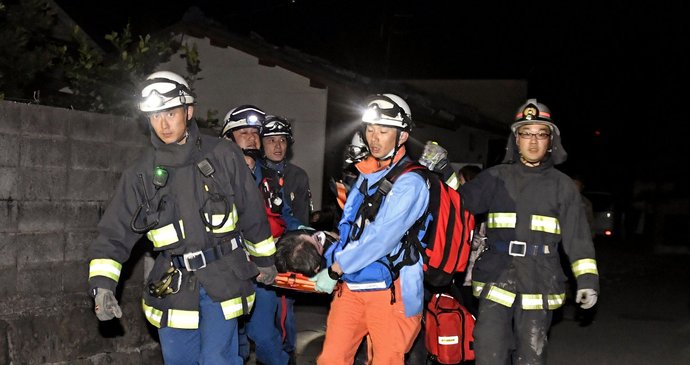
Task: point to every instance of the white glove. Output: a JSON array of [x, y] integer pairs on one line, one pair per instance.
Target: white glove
[[106, 306], [434, 156], [587, 298]]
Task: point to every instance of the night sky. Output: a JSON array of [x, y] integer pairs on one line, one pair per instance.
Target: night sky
[[614, 74]]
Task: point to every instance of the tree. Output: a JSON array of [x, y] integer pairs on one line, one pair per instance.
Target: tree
[[28, 52], [73, 73]]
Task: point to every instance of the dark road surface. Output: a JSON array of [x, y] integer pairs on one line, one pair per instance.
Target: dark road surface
[[642, 317]]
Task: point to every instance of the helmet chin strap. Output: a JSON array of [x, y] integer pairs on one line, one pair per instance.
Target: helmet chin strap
[[391, 155], [253, 153], [528, 163], [184, 136]]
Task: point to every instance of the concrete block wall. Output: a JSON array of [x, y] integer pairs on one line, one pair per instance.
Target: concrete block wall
[[58, 169]]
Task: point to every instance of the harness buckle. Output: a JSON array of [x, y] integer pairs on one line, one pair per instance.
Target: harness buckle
[[517, 248], [195, 258]]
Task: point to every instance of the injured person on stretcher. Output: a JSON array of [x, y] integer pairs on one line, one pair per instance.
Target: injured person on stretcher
[[299, 256]]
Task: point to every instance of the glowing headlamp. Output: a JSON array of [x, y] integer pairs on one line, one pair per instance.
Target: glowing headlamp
[[375, 113], [253, 121]]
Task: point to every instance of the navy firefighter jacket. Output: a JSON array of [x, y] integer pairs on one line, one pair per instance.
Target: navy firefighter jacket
[[217, 210], [531, 211]]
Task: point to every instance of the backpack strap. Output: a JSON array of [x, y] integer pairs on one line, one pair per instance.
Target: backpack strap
[[371, 204], [271, 187], [412, 247]]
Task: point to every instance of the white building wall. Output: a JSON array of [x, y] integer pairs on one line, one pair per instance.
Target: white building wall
[[229, 78]]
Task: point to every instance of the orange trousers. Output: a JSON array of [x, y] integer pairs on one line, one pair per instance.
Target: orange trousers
[[353, 315]]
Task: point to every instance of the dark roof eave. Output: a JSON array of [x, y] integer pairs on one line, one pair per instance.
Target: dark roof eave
[[435, 110]]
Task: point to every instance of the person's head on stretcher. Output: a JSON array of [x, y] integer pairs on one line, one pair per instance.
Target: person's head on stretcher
[[301, 251]]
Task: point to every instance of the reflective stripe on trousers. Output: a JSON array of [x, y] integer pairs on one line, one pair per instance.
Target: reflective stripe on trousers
[[214, 342]]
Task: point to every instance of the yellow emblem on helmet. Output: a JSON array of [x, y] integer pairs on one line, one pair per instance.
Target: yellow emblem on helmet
[[530, 112]]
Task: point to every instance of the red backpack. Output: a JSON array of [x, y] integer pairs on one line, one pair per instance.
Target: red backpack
[[448, 327], [446, 244]]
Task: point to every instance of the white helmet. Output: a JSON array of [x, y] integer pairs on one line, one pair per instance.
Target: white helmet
[[388, 110], [357, 150], [164, 90], [243, 116]]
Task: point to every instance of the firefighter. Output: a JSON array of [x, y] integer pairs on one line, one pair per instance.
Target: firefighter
[[276, 139], [531, 209], [194, 199], [243, 125]]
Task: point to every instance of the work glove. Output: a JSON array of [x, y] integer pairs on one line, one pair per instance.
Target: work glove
[[324, 282], [434, 157], [586, 297], [267, 274], [106, 306]]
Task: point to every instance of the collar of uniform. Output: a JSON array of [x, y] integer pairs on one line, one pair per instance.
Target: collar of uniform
[[278, 166], [371, 164]]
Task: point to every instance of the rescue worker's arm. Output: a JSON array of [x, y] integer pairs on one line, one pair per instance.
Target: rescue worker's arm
[[406, 202], [291, 222], [577, 240], [115, 238], [252, 220], [478, 193], [435, 158]]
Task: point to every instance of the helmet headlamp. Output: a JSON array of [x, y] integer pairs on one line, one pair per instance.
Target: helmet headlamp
[[163, 93], [386, 110], [375, 113], [155, 99]]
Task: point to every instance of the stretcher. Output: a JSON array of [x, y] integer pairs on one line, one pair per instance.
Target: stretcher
[[294, 281]]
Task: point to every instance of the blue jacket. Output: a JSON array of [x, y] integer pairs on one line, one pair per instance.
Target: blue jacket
[[406, 202]]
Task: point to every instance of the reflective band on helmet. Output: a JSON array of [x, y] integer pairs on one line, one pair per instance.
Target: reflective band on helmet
[[501, 220], [545, 224], [555, 300], [165, 235], [152, 314], [266, 247], [105, 267], [584, 266], [183, 319], [501, 296]]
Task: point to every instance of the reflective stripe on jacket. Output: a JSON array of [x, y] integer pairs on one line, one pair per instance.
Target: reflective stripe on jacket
[[171, 218], [537, 207]]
